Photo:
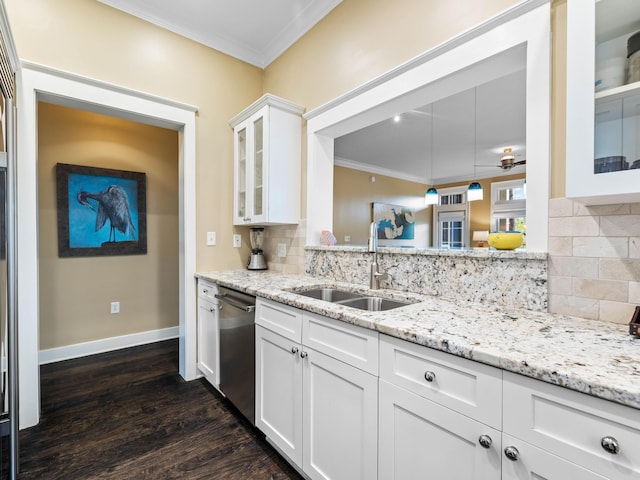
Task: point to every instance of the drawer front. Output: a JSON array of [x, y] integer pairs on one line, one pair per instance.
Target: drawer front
[[279, 318], [572, 425], [468, 387], [207, 291], [356, 346]]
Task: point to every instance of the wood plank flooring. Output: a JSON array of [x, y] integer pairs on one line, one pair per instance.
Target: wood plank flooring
[[128, 415]]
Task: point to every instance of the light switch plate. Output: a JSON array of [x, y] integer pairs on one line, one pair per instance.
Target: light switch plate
[[211, 238], [282, 249], [237, 240], [115, 307]]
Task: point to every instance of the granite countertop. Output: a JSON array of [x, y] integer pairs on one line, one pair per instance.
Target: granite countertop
[[596, 358]]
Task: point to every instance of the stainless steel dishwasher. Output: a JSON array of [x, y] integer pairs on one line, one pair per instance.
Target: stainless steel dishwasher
[[237, 349]]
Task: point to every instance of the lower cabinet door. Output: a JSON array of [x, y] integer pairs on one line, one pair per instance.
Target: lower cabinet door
[[420, 439], [526, 462], [208, 341], [279, 392], [340, 419]]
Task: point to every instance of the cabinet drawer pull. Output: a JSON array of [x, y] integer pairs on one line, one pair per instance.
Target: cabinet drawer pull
[[610, 444], [429, 376], [294, 350], [511, 453], [303, 354], [485, 441]]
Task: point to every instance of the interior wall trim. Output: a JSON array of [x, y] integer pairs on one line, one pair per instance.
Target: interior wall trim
[[103, 345]]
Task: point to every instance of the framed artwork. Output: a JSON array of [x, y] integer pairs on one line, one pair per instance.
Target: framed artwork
[[396, 224], [100, 211]]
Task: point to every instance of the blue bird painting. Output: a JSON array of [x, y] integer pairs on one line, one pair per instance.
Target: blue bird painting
[[113, 205]]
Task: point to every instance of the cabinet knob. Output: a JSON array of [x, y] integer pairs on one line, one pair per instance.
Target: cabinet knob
[[204, 290], [511, 453], [610, 444], [294, 350], [303, 354], [212, 309], [429, 376], [485, 441]]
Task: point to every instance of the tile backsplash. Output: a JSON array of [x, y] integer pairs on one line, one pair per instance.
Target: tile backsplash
[[293, 237], [594, 260]]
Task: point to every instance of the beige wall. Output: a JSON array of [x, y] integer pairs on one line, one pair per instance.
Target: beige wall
[[75, 293], [353, 193]]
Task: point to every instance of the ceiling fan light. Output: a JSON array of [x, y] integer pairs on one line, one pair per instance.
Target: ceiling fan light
[[431, 196], [474, 192]]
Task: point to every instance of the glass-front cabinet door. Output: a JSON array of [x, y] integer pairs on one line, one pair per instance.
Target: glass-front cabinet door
[[603, 101], [240, 202], [250, 163]]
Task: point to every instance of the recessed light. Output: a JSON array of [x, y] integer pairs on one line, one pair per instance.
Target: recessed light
[[396, 118]]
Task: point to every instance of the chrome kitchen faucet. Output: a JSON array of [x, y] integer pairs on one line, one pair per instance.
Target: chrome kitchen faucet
[[376, 276]]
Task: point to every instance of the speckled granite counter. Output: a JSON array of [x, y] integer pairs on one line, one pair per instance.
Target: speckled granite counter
[[596, 358]]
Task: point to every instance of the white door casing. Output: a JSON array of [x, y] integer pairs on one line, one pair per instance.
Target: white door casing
[[35, 83]]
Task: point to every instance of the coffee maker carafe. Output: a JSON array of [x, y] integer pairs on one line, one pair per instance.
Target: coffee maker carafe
[[256, 259]]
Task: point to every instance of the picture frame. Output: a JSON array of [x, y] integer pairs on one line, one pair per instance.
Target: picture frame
[[396, 224], [101, 211]]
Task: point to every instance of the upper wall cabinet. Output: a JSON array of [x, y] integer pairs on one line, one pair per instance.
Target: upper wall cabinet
[[267, 156], [603, 101]]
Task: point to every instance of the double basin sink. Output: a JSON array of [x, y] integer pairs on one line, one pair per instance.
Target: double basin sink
[[352, 299]]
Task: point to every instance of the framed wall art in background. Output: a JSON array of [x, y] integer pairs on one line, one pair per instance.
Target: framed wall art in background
[[396, 224], [101, 211]]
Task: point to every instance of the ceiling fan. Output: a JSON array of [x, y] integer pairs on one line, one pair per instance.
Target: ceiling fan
[[508, 160]]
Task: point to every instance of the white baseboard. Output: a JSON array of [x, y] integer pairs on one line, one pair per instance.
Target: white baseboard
[[106, 345]]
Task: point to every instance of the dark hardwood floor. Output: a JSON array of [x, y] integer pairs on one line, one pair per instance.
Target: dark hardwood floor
[[129, 415]]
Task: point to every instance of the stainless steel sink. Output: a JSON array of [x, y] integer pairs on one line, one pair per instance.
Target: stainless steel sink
[[374, 304], [352, 299], [329, 294]]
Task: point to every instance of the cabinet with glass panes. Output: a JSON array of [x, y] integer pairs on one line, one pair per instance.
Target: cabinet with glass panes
[[603, 101]]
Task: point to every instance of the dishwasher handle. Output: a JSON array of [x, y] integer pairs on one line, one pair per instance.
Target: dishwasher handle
[[247, 307]]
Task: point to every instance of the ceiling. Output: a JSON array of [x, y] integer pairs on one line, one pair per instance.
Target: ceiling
[[255, 31], [470, 131]]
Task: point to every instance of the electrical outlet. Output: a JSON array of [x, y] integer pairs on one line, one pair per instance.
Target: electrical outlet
[[237, 240], [211, 238], [282, 249], [115, 307], [347, 238]]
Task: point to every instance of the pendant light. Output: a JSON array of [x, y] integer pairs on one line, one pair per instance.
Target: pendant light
[[431, 196], [474, 191]]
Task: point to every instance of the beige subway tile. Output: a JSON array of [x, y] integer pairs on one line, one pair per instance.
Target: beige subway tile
[[620, 225], [574, 227], [599, 210], [560, 207], [561, 246], [634, 293], [616, 291], [559, 285], [576, 306], [616, 312], [600, 247], [573, 267], [619, 269]]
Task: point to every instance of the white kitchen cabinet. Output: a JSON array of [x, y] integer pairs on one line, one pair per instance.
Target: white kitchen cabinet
[[421, 439], [267, 156], [318, 410], [208, 341], [606, 123], [340, 409], [279, 392], [527, 462], [572, 426], [431, 412]]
